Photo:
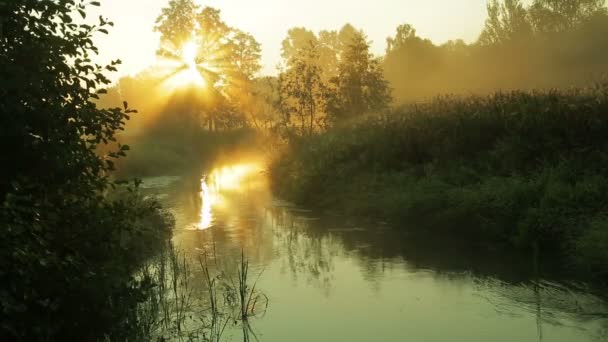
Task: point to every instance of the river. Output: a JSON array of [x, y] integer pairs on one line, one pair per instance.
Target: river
[[332, 278]]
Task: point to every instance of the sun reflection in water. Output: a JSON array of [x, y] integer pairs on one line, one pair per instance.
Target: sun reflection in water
[[207, 198], [217, 183]]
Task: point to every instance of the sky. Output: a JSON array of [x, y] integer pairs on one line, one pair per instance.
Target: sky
[[133, 41]]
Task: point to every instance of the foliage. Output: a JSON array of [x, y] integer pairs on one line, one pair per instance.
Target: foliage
[[177, 21], [226, 58], [502, 168], [328, 79], [68, 246], [507, 21], [302, 92], [558, 16], [360, 85]]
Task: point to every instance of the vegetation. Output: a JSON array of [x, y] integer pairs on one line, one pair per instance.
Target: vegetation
[[327, 80], [521, 168], [72, 237], [199, 101], [526, 169], [85, 255], [177, 309]]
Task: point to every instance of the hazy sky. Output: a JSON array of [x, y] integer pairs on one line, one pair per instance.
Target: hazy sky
[[133, 41]]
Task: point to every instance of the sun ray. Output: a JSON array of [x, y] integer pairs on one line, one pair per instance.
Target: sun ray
[[204, 62]]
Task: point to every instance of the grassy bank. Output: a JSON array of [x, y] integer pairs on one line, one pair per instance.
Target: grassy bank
[[525, 170]]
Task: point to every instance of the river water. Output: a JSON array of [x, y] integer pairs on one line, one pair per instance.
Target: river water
[[332, 278]]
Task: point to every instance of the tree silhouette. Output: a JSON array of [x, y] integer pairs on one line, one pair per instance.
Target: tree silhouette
[[302, 91], [558, 16], [64, 241], [177, 22], [505, 22]]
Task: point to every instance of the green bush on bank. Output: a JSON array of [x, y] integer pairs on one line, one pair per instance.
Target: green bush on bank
[[70, 244], [70, 275], [519, 168]]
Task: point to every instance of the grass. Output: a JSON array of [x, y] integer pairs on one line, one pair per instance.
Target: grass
[[177, 308], [512, 169]]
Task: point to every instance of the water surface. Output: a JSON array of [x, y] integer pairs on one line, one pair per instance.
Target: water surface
[[332, 278]]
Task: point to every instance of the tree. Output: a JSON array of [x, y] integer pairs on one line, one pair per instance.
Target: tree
[[63, 242], [331, 77], [247, 54], [329, 53], [406, 33], [295, 45], [302, 93], [226, 58], [360, 86], [176, 23], [507, 21], [558, 15], [330, 46]]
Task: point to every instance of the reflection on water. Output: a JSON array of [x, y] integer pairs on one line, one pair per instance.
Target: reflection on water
[[331, 278], [207, 199], [230, 178]]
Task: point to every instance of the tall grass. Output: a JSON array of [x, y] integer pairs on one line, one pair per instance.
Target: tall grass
[[177, 308], [520, 168]]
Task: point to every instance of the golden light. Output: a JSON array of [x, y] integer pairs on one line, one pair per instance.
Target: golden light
[[208, 199], [182, 68], [189, 75], [189, 54], [232, 177], [222, 180]]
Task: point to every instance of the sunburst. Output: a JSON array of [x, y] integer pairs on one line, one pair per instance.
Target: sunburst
[[193, 65]]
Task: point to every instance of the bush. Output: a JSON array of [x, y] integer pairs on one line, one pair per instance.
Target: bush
[[69, 244]]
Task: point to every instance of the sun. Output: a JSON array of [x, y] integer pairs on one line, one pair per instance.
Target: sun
[[182, 68], [200, 63], [190, 75], [189, 56]]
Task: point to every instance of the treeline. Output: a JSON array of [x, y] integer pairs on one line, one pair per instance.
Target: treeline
[[329, 78], [550, 43]]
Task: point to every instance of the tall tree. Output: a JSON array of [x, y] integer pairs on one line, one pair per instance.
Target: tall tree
[[405, 34], [507, 21], [247, 54], [176, 22], [227, 58], [296, 44], [559, 15], [360, 86], [302, 92]]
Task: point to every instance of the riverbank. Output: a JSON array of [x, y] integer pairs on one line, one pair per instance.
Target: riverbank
[[522, 170]]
